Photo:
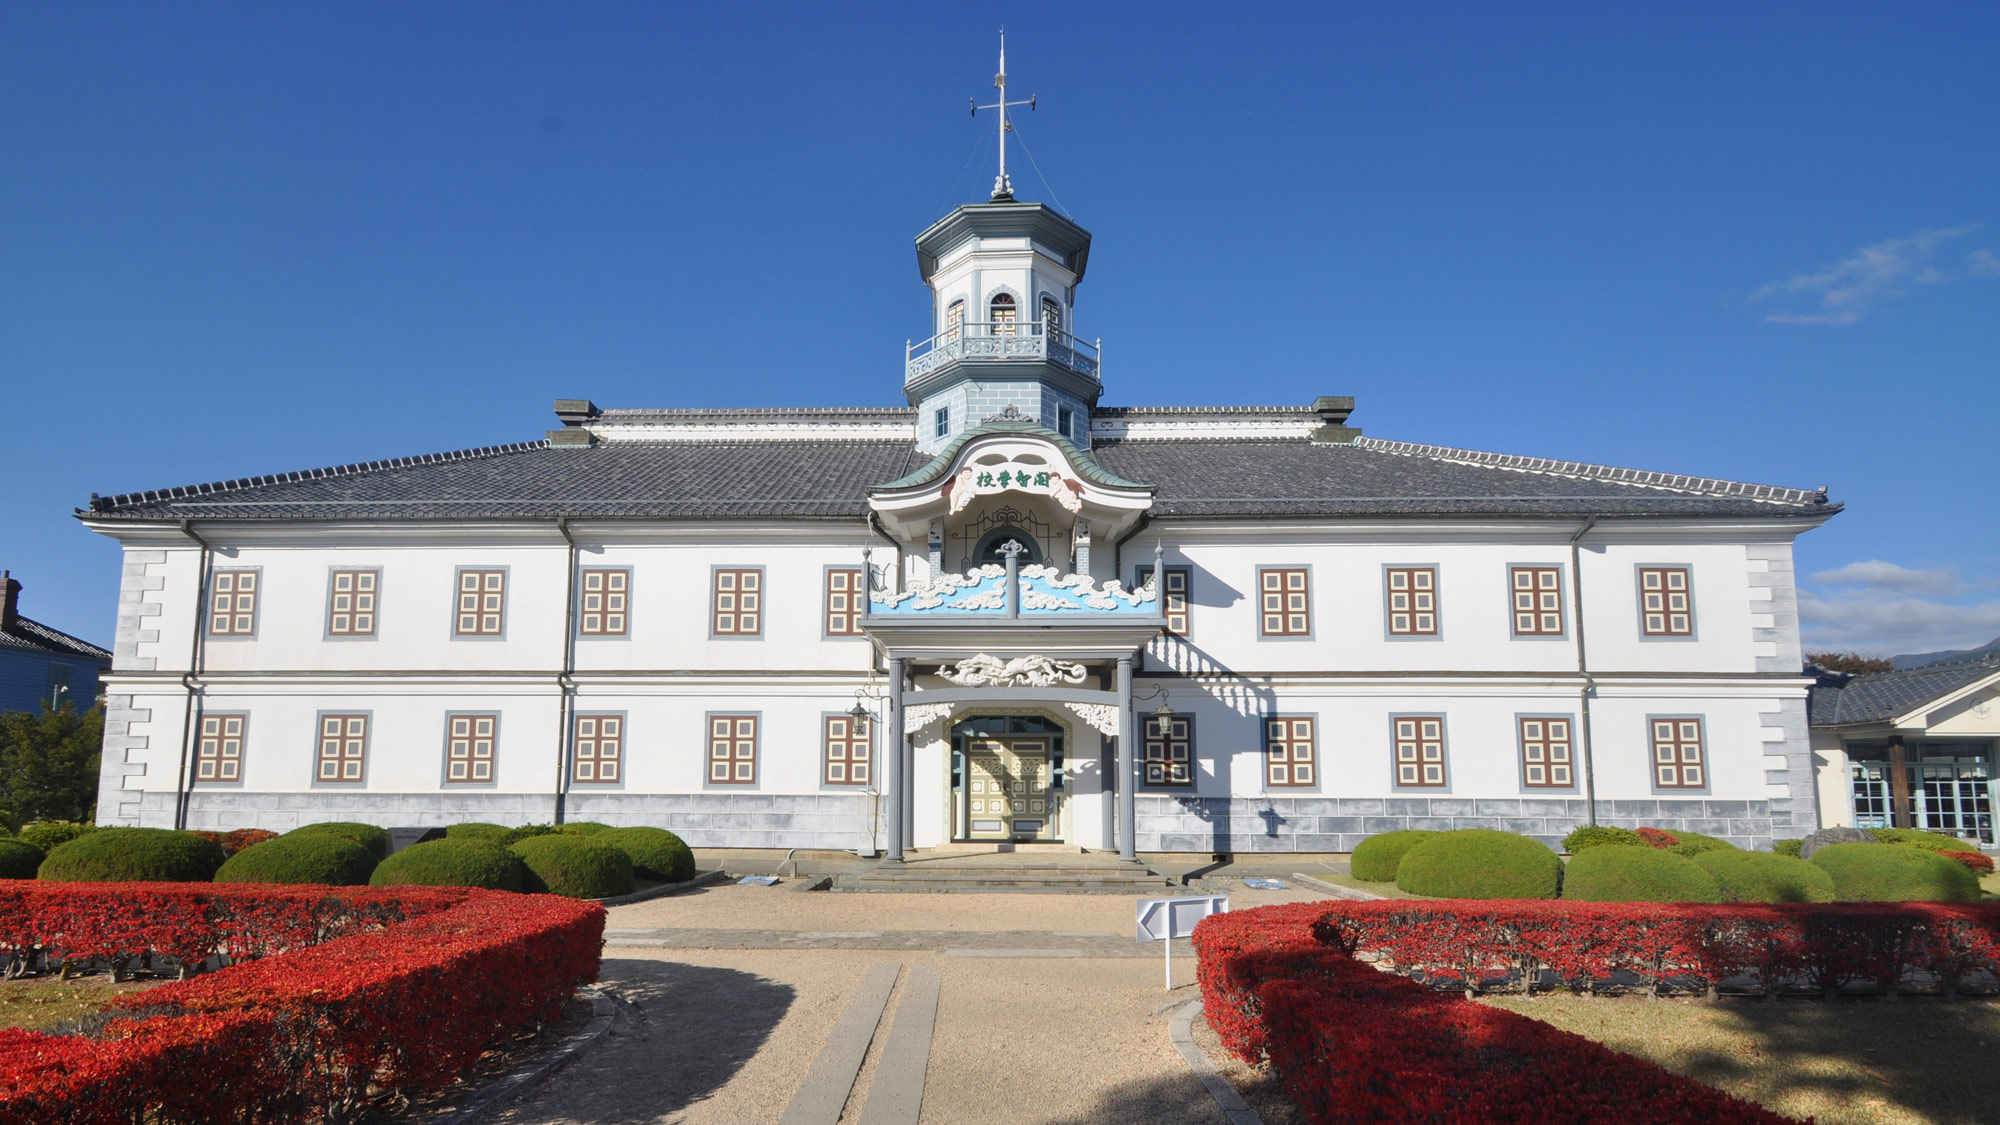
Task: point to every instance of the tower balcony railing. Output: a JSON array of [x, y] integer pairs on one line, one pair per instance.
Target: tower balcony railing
[[1001, 341]]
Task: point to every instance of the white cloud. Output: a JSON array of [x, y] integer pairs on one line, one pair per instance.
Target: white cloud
[[1879, 575], [1882, 623], [1853, 287]]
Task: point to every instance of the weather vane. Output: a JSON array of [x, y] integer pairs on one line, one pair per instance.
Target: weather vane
[[1002, 189]]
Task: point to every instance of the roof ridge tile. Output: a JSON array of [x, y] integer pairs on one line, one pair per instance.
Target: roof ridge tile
[[358, 468], [1585, 470]]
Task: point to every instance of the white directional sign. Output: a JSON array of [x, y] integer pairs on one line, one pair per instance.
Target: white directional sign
[[1162, 919]]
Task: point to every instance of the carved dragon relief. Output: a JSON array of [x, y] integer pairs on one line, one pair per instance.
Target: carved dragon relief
[[985, 670], [934, 593]]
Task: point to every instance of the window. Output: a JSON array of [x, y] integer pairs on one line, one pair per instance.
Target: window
[[847, 742], [732, 749], [1420, 751], [350, 603], [468, 748], [482, 603], [954, 321], [1065, 421], [941, 421], [606, 595], [1538, 607], [1003, 314], [1288, 753], [1666, 601], [739, 602], [1169, 750], [233, 606], [600, 749], [1677, 760], [1051, 316], [845, 591], [343, 748], [1412, 593], [1287, 604], [218, 758], [1546, 758], [1173, 595]]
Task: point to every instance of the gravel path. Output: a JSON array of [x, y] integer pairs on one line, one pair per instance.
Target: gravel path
[[1040, 1018]]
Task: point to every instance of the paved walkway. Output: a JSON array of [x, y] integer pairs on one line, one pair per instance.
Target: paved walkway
[[753, 1004]]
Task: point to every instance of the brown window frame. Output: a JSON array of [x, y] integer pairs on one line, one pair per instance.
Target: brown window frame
[[735, 613], [1282, 752], [1412, 770], [591, 733], [1677, 744], [212, 758], [1537, 611], [1292, 623], [726, 731], [1173, 603], [347, 622], [1157, 747], [604, 611], [227, 616], [339, 727], [1008, 325], [1415, 594], [471, 739], [835, 620], [482, 592], [1664, 593], [847, 747], [1537, 739]]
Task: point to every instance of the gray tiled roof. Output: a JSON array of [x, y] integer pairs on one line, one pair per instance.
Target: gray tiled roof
[[33, 636], [1879, 696]]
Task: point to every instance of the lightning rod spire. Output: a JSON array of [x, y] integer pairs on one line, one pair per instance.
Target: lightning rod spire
[[1003, 188]]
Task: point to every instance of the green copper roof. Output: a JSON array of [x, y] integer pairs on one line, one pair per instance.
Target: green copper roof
[[1086, 468]]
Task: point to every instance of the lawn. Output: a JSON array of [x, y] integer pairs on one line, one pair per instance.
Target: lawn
[[39, 1003], [1874, 1061]]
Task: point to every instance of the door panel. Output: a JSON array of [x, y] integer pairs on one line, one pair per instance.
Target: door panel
[[1007, 790]]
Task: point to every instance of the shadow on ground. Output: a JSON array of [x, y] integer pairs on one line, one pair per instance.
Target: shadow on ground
[[1181, 1099], [682, 1032]]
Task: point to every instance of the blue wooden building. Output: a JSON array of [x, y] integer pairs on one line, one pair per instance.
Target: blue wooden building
[[43, 667]]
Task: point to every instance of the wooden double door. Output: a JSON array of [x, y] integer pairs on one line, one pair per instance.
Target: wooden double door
[[1009, 789]]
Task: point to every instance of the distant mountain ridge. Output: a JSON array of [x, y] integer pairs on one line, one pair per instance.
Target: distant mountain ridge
[[1920, 659]]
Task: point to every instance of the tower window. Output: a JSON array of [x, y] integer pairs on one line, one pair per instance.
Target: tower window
[[1052, 324], [1064, 420], [954, 321], [1004, 314], [941, 421]]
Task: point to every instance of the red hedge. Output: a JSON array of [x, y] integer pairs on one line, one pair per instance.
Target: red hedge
[[298, 1036]]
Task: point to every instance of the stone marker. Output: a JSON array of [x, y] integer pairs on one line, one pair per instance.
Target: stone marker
[[1828, 836]]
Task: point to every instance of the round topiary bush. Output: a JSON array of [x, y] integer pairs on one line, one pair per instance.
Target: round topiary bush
[[1376, 858], [49, 835], [526, 832], [367, 835], [1881, 873], [1694, 843], [19, 859], [1787, 847], [306, 857], [133, 855], [1764, 877], [1597, 836], [656, 853], [452, 863], [1480, 863], [582, 828], [477, 830], [1918, 838], [574, 866], [1622, 873]]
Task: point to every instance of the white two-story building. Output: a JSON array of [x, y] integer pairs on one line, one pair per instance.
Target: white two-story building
[[864, 627]]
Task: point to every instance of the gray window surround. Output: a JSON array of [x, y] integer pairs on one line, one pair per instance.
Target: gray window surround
[[576, 613], [1257, 598], [208, 605], [1575, 758], [1065, 421], [1639, 604], [1141, 572], [445, 783], [756, 754], [1437, 601], [624, 753], [824, 784], [1562, 599], [1707, 759], [506, 602], [826, 611], [763, 602], [242, 762], [1264, 754], [326, 620], [367, 748], [1444, 740], [941, 422]]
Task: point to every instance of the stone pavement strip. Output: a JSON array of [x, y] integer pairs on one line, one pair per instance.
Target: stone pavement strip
[[896, 1097], [831, 1079]]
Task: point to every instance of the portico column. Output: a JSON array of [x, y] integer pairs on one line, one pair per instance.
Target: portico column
[[892, 789], [1128, 798]]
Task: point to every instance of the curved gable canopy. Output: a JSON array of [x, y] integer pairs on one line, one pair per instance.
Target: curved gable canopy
[[1019, 457]]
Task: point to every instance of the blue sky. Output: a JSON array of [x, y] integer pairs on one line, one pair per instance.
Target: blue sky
[[1746, 241]]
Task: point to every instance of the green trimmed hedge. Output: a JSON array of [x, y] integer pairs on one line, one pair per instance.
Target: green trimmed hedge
[[452, 863], [1694, 843], [583, 828], [526, 832], [477, 830], [1764, 877], [311, 857], [655, 852], [1599, 835], [1376, 858], [1876, 873], [1918, 838], [1623, 873], [49, 835], [1788, 847], [1480, 863], [133, 855], [367, 835], [574, 867], [19, 859]]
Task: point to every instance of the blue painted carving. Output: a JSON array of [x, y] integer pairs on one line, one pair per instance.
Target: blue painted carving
[[1045, 592]]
